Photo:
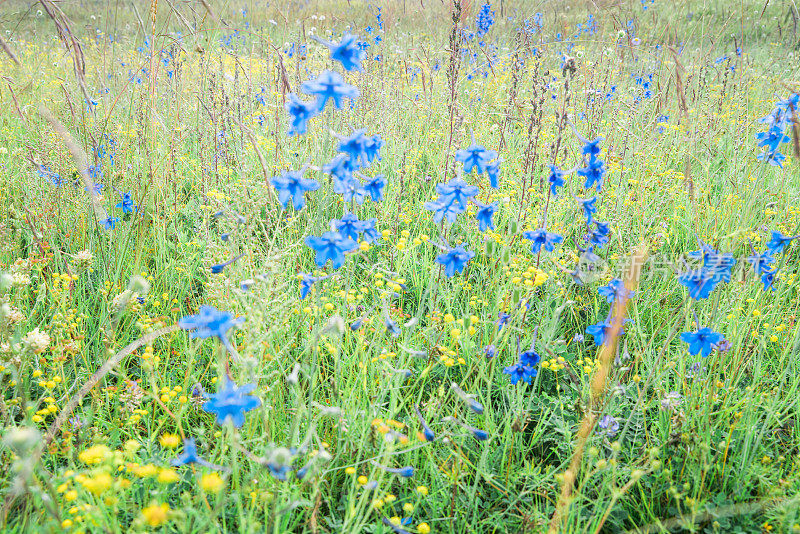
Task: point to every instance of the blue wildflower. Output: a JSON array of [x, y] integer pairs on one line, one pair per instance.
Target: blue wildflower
[[768, 279], [232, 402], [772, 138], [615, 290], [502, 319], [601, 331], [447, 210], [291, 184], [218, 268], [349, 226], [589, 206], [493, 172], [699, 282], [110, 223], [454, 260], [210, 322], [761, 262], [518, 372], [610, 425], [329, 85], [593, 173], [126, 203], [702, 341], [347, 51], [475, 157], [426, 431], [556, 179], [600, 235], [457, 191], [774, 158], [301, 112], [372, 188], [778, 242], [330, 246], [355, 146], [484, 215], [189, 455], [467, 399], [542, 237]]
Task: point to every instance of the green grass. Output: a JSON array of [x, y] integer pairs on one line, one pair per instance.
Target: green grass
[[724, 459]]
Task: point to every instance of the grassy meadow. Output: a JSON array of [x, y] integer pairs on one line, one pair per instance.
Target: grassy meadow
[[231, 304]]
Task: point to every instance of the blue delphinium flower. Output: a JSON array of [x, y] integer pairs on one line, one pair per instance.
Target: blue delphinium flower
[[702, 341], [340, 167], [542, 237], [189, 455], [291, 184], [475, 157], [355, 146], [329, 85], [110, 223], [502, 319], [405, 472], [307, 281], [280, 461], [610, 425], [526, 367], [368, 231], [231, 403], [347, 51], [330, 246], [600, 235], [426, 431], [444, 210], [493, 172], [591, 149], [454, 260], [774, 158], [699, 282], [772, 138], [484, 215], [589, 206], [219, 267], [778, 242], [301, 112], [518, 372], [210, 322], [372, 147], [349, 226], [768, 279], [761, 262], [615, 290], [594, 173], [601, 331], [716, 264], [555, 178], [372, 188], [458, 191]]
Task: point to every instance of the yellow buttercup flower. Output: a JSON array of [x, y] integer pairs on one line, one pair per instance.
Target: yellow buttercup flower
[[155, 515]]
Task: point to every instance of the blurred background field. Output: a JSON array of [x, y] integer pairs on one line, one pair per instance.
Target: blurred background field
[[178, 107]]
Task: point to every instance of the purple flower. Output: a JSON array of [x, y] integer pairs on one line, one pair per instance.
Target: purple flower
[[610, 425]]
